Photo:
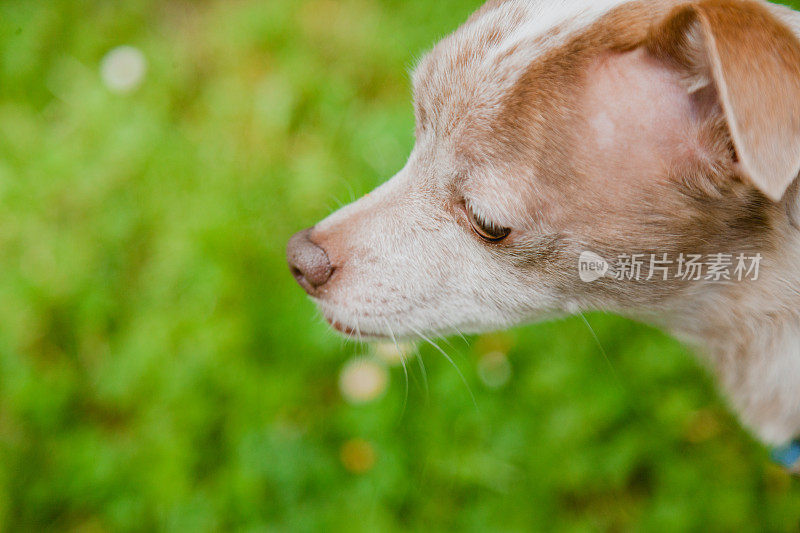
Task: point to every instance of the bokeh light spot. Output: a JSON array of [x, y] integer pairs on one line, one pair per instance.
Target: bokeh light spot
[[358, 456], [393, 354], [494, 369], [363, 380], [123, 69]]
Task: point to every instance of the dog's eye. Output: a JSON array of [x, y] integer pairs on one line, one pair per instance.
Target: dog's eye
[[485, 229]]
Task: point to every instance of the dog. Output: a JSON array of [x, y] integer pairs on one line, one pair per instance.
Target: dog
[[560, 141]]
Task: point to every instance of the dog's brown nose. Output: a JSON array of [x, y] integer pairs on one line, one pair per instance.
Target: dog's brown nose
[[308, 262]]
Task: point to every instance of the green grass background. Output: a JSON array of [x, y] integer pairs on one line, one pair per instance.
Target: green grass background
[[160, 370]]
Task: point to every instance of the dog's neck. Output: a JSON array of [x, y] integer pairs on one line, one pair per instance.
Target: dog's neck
[[750, 335], [753, 338]]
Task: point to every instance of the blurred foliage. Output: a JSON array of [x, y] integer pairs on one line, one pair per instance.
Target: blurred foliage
[[159, 369]]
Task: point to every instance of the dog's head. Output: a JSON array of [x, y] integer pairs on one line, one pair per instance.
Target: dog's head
[[547, 128]]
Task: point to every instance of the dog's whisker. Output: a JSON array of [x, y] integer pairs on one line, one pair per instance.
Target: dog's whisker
[[350, 191], [423, 371], [453, 363], [602, 350], [358, 333], [454, 327], [460, 334], [337, 201], [446, 341], [403, 362], [320, 317], [332, 204]]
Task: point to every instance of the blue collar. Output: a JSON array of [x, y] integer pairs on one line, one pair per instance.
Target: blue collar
[[788, 456]]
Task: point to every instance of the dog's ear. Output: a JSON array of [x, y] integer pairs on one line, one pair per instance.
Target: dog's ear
[[753, 62]]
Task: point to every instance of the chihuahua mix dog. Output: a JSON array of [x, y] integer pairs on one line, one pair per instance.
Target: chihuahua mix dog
[[547, 130]]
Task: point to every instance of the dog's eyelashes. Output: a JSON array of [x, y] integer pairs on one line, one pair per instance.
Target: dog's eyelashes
[[484, 228]]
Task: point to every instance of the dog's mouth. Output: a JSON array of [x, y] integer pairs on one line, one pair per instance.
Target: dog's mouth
[[354, 332]]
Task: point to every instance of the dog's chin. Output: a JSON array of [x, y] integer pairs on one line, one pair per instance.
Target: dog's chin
[[354, 333]]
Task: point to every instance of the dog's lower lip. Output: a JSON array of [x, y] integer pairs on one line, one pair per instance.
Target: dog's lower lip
[[347, 330]]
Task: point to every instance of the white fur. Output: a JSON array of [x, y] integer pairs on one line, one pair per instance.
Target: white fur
[[544, 15]]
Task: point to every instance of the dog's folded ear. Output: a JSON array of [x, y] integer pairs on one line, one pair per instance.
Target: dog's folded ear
[[753, 62]]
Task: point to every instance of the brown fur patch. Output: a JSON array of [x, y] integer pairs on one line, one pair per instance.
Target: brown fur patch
[[696, 206]]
